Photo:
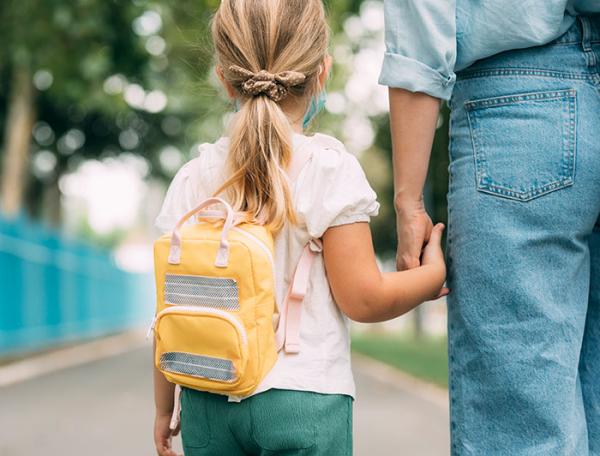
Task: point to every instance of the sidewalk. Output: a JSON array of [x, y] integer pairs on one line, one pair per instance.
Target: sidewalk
[[105, 408], [395, 416]]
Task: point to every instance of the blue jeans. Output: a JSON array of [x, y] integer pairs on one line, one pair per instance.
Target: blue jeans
[[524, 251]]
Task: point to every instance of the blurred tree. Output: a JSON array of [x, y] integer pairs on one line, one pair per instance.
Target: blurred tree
[[56, 56], [91, 77], [101, 78]]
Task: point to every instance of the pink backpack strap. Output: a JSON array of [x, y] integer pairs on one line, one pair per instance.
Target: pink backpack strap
[[176, 416], [288, 332], [290, 314]]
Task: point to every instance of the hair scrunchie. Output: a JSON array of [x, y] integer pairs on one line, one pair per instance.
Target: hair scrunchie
[[274, 85]]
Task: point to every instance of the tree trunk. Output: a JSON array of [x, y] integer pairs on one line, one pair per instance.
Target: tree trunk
[[17, 139], [51, 205]]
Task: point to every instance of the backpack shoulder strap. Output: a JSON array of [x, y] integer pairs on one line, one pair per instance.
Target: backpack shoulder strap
[[288, 332]]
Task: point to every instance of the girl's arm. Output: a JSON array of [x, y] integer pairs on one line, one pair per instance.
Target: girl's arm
[[164, 394], [362, 291]]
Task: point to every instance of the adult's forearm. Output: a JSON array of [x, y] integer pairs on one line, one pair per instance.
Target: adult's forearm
[[413, 118]]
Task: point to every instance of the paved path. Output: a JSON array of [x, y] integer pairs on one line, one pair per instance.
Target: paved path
[[105, 408]]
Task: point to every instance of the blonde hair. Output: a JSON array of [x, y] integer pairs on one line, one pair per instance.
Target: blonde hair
[[267, 37]]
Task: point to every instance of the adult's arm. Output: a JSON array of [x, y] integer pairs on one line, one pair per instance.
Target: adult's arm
[[419, 69], [413, 118]]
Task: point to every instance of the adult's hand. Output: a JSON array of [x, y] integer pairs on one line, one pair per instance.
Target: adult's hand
[[414, 228]]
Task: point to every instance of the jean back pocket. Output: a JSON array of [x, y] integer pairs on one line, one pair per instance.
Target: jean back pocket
[[524, 144]]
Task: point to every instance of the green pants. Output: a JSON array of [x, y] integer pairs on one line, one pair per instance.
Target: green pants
[[276, 422]]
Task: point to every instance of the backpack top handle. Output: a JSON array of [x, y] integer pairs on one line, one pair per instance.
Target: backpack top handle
[[223, 254]]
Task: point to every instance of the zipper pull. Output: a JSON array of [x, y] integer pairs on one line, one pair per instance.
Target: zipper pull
[[151, 328]]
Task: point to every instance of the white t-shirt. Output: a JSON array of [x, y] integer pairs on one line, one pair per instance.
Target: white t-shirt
[[331, 190]]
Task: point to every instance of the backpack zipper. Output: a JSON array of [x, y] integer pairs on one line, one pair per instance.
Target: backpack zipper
[[204, 310]]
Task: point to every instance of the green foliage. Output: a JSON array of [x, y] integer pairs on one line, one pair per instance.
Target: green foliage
[[425, 358], [79, 42], [79, 45], [438, 170], [85, 44], [385, 225]]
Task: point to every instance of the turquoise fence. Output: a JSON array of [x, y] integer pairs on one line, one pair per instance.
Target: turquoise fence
[[55, 290]]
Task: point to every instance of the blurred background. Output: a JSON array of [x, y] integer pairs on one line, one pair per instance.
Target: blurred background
[[101, 102]]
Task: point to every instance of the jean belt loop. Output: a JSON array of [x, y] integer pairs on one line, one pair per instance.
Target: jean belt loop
[[586, 41]]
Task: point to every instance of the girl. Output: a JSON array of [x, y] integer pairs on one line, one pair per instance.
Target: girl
[[272, 59]]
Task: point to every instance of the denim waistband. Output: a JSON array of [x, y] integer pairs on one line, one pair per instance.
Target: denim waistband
[[585, 30]]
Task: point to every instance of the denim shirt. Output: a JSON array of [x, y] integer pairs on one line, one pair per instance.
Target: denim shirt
[[427, 41]]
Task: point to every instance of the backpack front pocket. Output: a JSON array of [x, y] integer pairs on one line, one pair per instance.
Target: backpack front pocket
[[200, 347]]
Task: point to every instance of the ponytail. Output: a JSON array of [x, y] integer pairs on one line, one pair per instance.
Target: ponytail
[[269, 51], [260, 150]]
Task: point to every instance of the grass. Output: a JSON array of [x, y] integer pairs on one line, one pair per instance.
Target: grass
[[424, 358]]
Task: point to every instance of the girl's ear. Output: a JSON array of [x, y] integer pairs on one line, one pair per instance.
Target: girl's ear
[[228, 87], [325, 71]]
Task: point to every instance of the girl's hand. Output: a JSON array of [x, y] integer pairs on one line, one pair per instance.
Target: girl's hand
[[163, 435], [433, 255]]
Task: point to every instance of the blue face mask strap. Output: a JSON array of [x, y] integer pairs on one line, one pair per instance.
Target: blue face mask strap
[[316, 106]]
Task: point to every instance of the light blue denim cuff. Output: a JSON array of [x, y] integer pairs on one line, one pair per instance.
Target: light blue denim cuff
[[409, 74]]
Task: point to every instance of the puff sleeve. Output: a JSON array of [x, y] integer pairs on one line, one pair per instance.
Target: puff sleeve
[[333, 191]]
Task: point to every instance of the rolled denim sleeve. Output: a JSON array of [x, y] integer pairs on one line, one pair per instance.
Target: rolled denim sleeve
[[420, 38]]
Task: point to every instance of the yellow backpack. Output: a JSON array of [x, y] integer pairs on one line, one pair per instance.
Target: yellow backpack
[[217, 327]]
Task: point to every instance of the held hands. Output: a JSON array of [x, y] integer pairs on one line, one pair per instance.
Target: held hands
[[163, 435], [420, 244], [414, 227]]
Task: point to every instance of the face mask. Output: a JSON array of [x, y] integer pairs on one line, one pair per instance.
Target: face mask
[[316, 106]]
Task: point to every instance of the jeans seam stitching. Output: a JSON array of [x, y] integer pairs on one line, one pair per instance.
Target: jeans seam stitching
[[509, 72], [573, 136], [571, 43], [520, 98]]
